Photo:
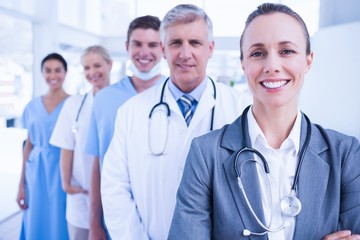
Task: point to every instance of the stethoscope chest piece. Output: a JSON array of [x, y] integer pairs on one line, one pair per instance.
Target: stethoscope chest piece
[[290, 206], [75, 127]]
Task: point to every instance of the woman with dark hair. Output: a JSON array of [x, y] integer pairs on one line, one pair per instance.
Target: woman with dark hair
[[40, 194]]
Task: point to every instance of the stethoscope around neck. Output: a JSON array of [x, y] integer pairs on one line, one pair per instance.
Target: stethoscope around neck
[[75, 125], [290, 205], [163, 106]]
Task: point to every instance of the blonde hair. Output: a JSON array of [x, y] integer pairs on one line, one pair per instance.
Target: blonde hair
[[97, 49]]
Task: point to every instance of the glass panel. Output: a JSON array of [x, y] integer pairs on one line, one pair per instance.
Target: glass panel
[[105, 18], [309, 10], [224, 66], [69, 16], [15, 68], [160, 8], [116, 16], [92, 15], [23, 6], [232, 22]]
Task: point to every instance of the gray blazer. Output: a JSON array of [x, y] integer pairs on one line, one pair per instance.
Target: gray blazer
[[210, 204]]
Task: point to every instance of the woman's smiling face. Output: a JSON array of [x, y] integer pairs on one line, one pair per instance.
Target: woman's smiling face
[[274, 59]]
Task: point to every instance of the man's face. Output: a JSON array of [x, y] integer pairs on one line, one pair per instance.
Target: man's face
[[187, 50], [144, 48]]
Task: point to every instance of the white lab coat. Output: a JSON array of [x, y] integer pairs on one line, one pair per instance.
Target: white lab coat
[[139, 189], [77, 205]]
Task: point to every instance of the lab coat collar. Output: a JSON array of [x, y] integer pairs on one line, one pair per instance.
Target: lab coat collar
[[205, 106], [203, 109]]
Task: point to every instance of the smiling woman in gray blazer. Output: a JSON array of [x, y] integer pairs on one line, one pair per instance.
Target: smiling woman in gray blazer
[[271, 174]]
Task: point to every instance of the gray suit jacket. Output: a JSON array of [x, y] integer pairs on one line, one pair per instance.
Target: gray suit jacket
[[210, 204]]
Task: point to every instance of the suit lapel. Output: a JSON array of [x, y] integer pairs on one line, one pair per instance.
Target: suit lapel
[[232, 140], [311, 188], [312, 185]]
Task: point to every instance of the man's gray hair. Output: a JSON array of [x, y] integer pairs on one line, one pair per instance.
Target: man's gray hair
[[182, 14]]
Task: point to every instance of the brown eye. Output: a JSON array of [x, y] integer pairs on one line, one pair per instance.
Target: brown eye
[[175, 43], [257, 54], [195, 43], [287, 51]]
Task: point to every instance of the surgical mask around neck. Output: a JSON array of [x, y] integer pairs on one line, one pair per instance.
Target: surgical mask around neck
[[146, 76]]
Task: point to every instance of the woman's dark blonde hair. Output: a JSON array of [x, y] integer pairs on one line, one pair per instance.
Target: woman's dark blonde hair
[[269, 8], [99, 50]]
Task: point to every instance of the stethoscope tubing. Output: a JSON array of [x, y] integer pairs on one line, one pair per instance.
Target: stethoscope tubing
[[168, 114], [81, 106], [247, 148], [266, 166], [162, 102], [75, 125]]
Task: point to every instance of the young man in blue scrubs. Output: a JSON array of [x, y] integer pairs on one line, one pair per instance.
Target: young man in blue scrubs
[[143, 47]]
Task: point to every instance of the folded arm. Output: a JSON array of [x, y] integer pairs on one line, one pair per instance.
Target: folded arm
[[349, 222], [66, 167], [192, 217]]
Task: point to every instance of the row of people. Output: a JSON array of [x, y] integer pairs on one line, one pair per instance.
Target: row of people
[[255, 177], [69, 129]]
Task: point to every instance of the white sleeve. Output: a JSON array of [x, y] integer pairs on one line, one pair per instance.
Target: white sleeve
[[120, 212], [62, 135]]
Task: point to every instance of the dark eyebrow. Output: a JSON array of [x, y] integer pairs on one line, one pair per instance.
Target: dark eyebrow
[[280, 43], [256, 45], [135, 41], [196, 40], [286, 42], [154, 43], [175, 40]]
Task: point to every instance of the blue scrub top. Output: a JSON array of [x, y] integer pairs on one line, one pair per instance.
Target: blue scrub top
[[45, 216], [102, 121]]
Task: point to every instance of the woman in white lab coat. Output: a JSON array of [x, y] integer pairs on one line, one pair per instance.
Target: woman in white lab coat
[[69, 134]]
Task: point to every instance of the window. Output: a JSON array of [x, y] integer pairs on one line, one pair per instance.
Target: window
[[15, 68]]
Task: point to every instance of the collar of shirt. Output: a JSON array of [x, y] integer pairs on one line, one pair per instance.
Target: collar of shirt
[[258, 137], [196, 93], [281, 176]]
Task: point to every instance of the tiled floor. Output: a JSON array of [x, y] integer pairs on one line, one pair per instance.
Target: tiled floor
[[10, 227]]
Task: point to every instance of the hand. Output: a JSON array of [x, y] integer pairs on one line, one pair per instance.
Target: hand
[[342, 235], [97, 233], [74, 190], [21, 198]]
